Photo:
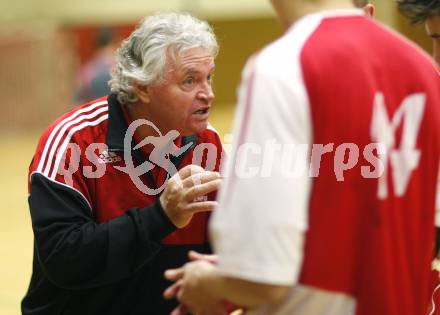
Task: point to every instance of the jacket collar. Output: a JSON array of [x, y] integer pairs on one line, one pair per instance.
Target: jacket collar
[[117, 126]]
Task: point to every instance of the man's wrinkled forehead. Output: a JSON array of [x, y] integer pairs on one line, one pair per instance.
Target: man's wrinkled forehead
[[190, 59]]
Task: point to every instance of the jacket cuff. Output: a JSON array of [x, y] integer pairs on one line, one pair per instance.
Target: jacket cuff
[[156, 222]]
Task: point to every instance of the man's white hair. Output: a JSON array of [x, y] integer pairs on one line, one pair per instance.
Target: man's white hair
[[142, 56]]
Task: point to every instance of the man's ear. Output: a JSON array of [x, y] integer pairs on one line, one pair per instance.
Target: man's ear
[[142, 92], [369, 9]]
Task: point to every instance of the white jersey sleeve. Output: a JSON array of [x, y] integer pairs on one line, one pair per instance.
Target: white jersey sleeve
[[258, 228]]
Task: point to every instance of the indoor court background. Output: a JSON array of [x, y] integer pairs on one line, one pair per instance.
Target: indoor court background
[[42, 44]]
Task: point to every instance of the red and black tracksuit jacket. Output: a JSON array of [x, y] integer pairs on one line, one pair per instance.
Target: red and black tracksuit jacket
[[102, 245]]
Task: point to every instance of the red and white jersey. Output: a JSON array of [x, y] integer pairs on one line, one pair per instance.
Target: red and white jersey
[[331, 185]]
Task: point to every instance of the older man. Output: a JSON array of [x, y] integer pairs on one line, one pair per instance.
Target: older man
[[427, 11], [117, 187], [344, 229]]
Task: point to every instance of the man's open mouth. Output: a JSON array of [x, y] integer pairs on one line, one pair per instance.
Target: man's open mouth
[[202, 111]]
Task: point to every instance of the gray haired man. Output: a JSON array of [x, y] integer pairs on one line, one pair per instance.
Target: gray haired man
[[118, 190]]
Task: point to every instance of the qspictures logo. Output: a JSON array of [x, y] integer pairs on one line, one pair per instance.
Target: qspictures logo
[[163, 149], [274, 159]]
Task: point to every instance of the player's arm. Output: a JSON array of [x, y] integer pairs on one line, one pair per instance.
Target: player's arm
[[251, 294], [76, 252], [208, 279]]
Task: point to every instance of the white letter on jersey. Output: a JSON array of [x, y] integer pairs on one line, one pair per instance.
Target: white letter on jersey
[[406, 158]]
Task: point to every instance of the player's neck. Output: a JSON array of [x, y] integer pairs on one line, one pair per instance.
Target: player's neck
[[289, 11]]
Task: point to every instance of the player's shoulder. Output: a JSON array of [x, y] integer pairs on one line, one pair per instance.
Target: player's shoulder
[[281, 58], [406, 49]]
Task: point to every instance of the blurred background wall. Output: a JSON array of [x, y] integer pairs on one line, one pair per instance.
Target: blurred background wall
[[43, 44]]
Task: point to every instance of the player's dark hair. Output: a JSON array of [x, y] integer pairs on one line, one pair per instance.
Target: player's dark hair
[[361, 3], [419, 10]]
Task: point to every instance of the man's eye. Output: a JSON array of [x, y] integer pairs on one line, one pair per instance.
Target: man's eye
[[210, 77], [189, 81]]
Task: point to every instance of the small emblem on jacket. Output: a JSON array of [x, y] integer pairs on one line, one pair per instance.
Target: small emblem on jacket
[[109, 157]]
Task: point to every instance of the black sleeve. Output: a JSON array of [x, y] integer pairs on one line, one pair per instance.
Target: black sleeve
[[75, 252]]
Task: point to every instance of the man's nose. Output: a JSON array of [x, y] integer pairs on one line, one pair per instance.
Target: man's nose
[[206, 93]]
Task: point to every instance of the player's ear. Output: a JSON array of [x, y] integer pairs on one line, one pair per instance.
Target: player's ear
[[142, 92], [369, 9]]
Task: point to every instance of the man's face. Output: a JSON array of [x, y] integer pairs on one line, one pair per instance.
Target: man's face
[[183, 101], [433, 29]]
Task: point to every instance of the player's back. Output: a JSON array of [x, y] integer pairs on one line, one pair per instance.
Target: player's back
[[370, 238], [354, 236]]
